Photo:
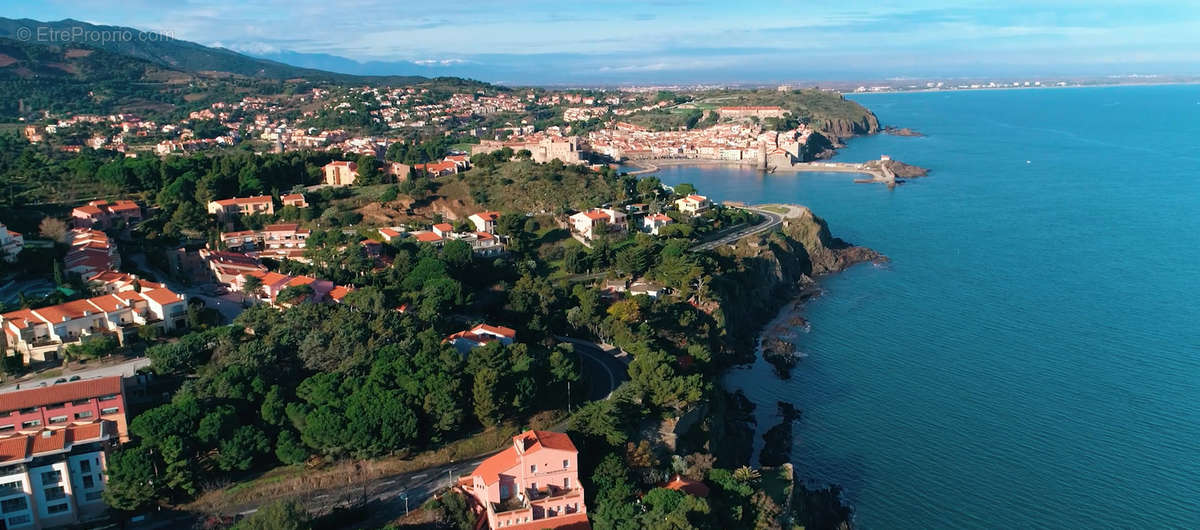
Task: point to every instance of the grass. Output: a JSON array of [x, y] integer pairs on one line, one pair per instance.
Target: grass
[[775, 209]]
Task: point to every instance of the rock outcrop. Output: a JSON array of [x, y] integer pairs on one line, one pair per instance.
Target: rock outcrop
[[843, 128], [898, 168], [772, 269]]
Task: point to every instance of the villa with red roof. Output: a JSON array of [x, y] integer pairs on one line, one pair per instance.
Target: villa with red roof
[[651, 223], [693, 204], [485, 221], [465, 341], [55, 477], [532, 484], [588, 224], [294, 199], [101, 214], [227, 208], [91, 252]]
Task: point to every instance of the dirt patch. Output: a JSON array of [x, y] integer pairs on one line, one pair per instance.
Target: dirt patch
[[77, 52], [68, 68], [6, 60]]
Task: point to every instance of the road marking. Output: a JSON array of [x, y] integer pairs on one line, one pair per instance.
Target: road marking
[[387, 482], [612, 381], [422, 475], [248, 512]]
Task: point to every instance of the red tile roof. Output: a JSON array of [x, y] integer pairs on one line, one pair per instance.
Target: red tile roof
[[162, 296], [690, 487], [444, 227], [574, 521], [488, 216], [427, 237], [496, 330], [26, 446], [244, 200], [496, 464], [36, 397], [535, 440]]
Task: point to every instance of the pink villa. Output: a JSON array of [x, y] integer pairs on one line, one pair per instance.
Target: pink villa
[[226, 208], [533, 484]]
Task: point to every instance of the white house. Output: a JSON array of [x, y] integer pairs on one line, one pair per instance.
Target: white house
[[693, 204], [651, 223], [485, 221], [588, 223]]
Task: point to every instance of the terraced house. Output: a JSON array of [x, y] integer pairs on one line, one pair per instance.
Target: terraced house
[[42, 334]]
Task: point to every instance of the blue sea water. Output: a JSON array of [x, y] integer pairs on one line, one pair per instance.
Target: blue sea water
[[1031, 356]]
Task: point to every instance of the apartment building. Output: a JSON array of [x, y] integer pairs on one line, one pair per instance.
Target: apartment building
[[227, 208], [103, 214], [274, 236], [532, 484], [54, 477], [64, 405], [91, 252]]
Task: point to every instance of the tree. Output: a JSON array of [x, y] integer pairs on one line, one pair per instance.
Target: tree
[[240, 451], [564, 363], [684, 188], [457, 254], [53, 229], [251, 285], [453, 510], [279, 515], [131, 479], [614, 508], [486, 388], [601, 419], [289, 449]]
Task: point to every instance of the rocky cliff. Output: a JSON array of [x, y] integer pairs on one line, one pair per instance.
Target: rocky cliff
[[843, 128], [764, 272]]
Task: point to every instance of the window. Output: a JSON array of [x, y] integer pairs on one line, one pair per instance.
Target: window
[[109, 397], [58, 419], [82, 415], [55, 493], [88, 482], [9, 488], [92, 496], [85, 466], [29, 410], [112, 410], [79, 402], [533, 468], [56, 406], [18, 520], [31, 423], [566, 464], [14, 505], [57, 508], [567, 483], [6, 428], [51, 477]]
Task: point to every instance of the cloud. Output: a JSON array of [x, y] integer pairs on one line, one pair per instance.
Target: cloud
[[439, 62]]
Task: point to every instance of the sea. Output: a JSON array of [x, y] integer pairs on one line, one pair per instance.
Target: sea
[[1030, 357]]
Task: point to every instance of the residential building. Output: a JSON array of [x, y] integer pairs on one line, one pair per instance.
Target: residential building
[[751, 111], [651, 223], [294, 199], [693, 204], [227, 267], [274, 283], [436, 169], [532, 484], [42, 334], [227, 208], [103, 214], [11, 244], [65, 405], [391, 234], [54, 478], [593, 222], [443, 229], [485, 221], [399, 172], [340, 173], [465, 341], [91, 252]]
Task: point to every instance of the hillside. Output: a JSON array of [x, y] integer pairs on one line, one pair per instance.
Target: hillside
[[828, 112], [174, 53]]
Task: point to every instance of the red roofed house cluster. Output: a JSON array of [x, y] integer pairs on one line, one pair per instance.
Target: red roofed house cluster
[[41, 334], [274, 283], [91, 252], [101, 214], [533, 484]]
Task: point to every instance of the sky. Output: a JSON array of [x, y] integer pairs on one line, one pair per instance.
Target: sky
[[664, 41]]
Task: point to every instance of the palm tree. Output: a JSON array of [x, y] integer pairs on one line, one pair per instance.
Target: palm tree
[[746, 475]]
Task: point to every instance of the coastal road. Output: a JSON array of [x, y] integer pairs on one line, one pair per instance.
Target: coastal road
[[770, 221], [604, 369]]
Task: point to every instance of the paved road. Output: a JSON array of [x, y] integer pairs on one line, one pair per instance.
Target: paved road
[[603, 370], [770, 221], [127, 368]]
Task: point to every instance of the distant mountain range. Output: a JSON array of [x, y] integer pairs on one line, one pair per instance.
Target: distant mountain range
[[75, 72], [183, 55]]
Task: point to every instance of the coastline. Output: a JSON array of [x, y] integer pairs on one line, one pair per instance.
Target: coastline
[[652, 165]]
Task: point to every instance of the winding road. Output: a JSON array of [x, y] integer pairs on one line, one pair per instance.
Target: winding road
[[770, 221]]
